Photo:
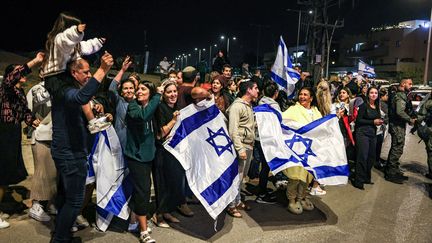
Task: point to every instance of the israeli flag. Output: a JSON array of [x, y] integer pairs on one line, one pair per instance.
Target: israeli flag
[[317, 146], [113, 188], [200, 142], [282, 71], [366, 69]]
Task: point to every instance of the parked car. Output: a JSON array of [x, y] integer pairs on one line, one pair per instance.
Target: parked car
[[418, 94]]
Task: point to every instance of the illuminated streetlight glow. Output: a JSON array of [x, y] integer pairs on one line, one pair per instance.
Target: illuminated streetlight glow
[[310, 12]]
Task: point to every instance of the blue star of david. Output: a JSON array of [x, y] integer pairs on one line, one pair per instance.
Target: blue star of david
[[220, 149], [306, 142]]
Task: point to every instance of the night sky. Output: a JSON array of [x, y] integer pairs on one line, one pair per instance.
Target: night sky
[[175, 27]]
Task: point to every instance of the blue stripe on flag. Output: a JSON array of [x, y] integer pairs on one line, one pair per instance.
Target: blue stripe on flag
[[329, 171], [314, 124], [102, 212], [120, 197], [279, 80], [301, 130], [276, 162], [106, 139], [192, 123], [216, 190], [91, 172]]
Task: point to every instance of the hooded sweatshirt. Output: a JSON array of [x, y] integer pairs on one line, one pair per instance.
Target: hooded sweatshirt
[[241, 125]]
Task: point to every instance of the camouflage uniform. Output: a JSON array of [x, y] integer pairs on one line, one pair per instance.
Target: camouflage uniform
[[398, 118], [425, 115]]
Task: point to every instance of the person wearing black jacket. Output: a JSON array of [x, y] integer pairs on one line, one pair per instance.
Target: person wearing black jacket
[[69, 147], [220, 61], [368, 119]]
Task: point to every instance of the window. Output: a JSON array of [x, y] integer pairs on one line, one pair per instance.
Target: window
[[398, 43]]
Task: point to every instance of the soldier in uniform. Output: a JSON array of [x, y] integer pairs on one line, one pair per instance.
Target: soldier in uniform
[[424, 131], [399, 116]]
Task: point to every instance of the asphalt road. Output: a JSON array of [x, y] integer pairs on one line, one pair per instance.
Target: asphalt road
[[384, 212]]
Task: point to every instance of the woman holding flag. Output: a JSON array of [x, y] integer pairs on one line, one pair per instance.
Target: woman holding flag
[[302, 113]]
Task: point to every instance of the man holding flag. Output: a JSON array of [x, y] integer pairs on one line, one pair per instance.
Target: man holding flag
[[242, 131]]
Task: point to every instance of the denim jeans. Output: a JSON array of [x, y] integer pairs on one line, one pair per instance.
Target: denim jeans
[[72, 175]]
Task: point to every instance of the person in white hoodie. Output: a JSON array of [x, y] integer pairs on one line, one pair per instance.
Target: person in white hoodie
[[65, 44], [43, 188]]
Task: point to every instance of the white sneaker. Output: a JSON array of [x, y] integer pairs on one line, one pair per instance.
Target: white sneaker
[[3, 224], [74, 228], [146, 238], [97, 125], [82, 222], [317, 191], [37, 212]]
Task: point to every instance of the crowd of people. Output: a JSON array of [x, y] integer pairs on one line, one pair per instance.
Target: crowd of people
[[71, 104]]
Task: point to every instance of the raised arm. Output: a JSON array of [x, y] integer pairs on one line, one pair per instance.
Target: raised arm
[[69, 38], [21, 70]]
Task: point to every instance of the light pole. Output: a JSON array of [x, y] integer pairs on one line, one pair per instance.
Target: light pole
[[425, 81], [199, 53], [228, 42], [210, 55], [298, 29]]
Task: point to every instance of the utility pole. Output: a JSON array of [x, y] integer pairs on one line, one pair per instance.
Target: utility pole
[[259, 26], [425, 80], [319, 40]]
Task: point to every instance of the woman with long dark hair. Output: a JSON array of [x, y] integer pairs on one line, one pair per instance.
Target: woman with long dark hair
[[140, 150], [14, 110], [303, 112], [220, 94], [368, 118]]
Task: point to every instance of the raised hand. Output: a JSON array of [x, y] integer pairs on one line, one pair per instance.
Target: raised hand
[[107, 61], [126, 63]]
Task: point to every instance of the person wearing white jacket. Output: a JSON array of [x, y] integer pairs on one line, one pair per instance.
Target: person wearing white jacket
[[65, 44], [43, 187]]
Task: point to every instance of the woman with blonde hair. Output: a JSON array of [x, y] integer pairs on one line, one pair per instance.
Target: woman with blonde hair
[[324, 98]]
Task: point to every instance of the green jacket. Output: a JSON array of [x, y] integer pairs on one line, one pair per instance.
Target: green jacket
[[140, 144], [398, 109], [425, 113]]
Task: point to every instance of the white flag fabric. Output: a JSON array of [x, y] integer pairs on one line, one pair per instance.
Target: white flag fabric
[[365, 68], [200, 142], [317, 146], [113, 188], [282, 71]]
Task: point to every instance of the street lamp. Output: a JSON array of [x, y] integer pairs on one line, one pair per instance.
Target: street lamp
[[298, 27], [228, 41], [210, 54], [199, 53]]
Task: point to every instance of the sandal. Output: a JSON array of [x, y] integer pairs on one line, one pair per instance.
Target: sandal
[[243, 206], [234, 212]]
